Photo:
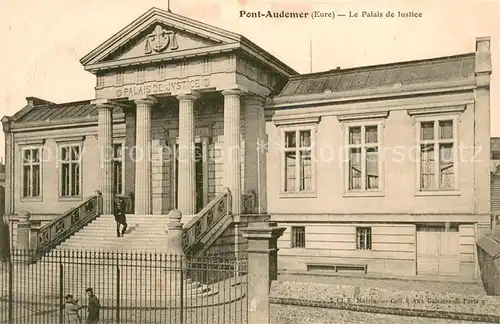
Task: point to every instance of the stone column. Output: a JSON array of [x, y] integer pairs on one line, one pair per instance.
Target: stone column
[[186, 192], [262, 267], [105, 138], [143, 156], [130, 155], [232, 151]]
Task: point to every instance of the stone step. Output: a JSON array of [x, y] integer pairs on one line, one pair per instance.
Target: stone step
[[113, 238], [112, 234], [142, 224]]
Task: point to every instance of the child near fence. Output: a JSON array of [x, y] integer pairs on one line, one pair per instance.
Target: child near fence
[[72, 310]]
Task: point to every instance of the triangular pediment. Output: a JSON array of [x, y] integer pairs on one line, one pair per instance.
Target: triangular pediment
[[158, 33]]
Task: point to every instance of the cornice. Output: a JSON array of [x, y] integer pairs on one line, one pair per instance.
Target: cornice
[[295, 119], [366, 115], [63, 123], [436, 110], [66, 139], [377, 106], [170, 56], [268, 59], [373, 93]]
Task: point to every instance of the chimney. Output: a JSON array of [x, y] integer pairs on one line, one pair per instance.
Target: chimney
[[483, 56], [34, 101]]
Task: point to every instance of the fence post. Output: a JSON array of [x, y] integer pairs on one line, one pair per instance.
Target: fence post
[[11, 290], [61, 291], [262, 267], [117, 293]]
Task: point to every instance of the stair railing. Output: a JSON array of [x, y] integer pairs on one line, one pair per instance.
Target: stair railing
[[249, 202], [206, 219], [59, 229]]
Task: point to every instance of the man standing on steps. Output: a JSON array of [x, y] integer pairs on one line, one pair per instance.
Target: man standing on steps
[[120, 217], [93, 307]]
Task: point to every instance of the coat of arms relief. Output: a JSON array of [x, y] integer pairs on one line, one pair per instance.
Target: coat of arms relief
[[160, 40]]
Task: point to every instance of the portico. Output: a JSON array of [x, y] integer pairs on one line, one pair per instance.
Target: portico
[[171, 66]]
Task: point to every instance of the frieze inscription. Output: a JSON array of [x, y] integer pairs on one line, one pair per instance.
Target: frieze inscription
[[163, 87]]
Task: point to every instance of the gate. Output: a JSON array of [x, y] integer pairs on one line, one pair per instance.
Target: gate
[[131, 287]]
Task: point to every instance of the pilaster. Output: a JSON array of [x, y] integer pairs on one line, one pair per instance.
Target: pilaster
[[160, 163], [105, 138], [483, 71], [9, 167], [232, 149], [186, 195], [255, 150], [143, 156]]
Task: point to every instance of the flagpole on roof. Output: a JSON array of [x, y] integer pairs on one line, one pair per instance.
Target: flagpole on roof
[[310, 55]]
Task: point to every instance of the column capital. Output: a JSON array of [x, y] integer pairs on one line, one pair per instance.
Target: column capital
[[193, 95], [103, 103], [232, 92], [107, 104], [255, 99], [145, 100]]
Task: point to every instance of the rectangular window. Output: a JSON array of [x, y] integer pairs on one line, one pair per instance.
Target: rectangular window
[[31, 172], [297, 149], [119, 78], [298, 237], [437, 155], [70, 171], [118, 168], [363, 238], [141, 75], [363, 144]]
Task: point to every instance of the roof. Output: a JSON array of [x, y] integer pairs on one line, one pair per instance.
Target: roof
[[62, 111], [495, 144], [437, 69], [94, 60]]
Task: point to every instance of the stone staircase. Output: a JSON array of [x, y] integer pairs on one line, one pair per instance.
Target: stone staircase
[[144, 233], [138, 263]]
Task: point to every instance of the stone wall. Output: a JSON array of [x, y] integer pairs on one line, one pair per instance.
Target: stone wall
[[285, 296]]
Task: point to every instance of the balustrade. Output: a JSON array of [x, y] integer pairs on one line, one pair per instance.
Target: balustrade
[[59, 229], [206, 219]]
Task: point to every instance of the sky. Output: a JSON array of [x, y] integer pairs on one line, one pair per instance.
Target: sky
[[43, 41]]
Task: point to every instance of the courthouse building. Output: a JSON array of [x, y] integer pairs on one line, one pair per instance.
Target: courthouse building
[[383, 169]]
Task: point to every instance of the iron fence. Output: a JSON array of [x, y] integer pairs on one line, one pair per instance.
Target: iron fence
[[132, 287]]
